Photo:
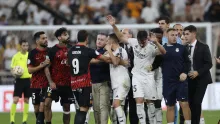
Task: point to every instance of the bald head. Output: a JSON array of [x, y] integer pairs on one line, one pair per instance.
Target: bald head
[[127, 33]]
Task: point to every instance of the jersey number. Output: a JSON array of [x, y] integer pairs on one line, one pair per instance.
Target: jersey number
[[75, 64]]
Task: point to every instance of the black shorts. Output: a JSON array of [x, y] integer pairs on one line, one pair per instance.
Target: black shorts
[[38, 95], [62, 93], [83, 96], [177, 92], [22, 86]]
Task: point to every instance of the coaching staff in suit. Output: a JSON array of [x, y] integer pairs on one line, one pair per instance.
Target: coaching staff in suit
[[199, 76]]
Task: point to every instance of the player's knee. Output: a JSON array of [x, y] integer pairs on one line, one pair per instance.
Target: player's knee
[[157, 104], [170, 108], [66, 107], [41, 108], [15, 100], [26, 100], [84, 109], [36, 108], [47, 105], [139, 100], [184, 105]]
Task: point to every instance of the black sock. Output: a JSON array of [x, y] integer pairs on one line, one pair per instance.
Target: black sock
[[36, 114], [48, 122], [80, 117], [40, 118], [66, 118]]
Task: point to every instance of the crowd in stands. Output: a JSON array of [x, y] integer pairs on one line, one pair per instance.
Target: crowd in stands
[[84, 12]]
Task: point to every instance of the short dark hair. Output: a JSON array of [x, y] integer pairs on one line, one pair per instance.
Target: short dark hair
[[191, 28], [37, 35], [22, 41], [142, 35], [170, 29], [157, 30], [82, 35], [101, 33], [166, 18], [59, 32], [114, 37]]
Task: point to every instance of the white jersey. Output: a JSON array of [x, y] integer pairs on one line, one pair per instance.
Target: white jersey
[[119, 74], [143, 57]]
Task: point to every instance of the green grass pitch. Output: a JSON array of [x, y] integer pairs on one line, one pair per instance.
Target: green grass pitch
[[211, 117]]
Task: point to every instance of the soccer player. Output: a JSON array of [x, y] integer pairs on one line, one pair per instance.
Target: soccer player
[[36, 63], [130, 101], [120, 80], [22, 84], [143, 81], [158, 34], [79, 57], [58, 75], [175, 67]]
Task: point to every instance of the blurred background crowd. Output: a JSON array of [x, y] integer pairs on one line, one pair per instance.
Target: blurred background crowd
[[84, 12]]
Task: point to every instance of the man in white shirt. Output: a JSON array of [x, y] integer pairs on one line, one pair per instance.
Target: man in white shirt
[[143, 81]]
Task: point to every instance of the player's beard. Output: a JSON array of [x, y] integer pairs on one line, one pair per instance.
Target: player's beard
[[43, 45], [66, 41]]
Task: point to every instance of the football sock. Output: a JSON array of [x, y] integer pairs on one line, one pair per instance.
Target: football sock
[[80, 117], [141, 113], [12, 112], [121, 115]]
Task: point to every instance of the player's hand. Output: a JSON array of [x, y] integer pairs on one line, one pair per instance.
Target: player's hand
[[148, 68], [183, 77], [110, 19], [52, 85], [125, 63], [108, 47], [217, 60], [153, 38], [193, 74]]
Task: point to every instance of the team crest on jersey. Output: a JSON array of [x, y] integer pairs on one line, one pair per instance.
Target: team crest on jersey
[[177, 50]]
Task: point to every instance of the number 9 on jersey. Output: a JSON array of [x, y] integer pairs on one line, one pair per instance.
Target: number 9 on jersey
[[75, 64]]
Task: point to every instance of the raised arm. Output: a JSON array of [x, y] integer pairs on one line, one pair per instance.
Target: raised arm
[[161, 49], [120, 36]]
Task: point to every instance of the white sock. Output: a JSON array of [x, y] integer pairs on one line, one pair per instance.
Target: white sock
[[187, 121], [141, 113], [202, 121], [171, 123], [121, 115], [87, 117], [159, 115], [151, 113]]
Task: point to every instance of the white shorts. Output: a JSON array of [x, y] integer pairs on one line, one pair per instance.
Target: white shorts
[[144, 87], [159, 83], [121, 91]]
